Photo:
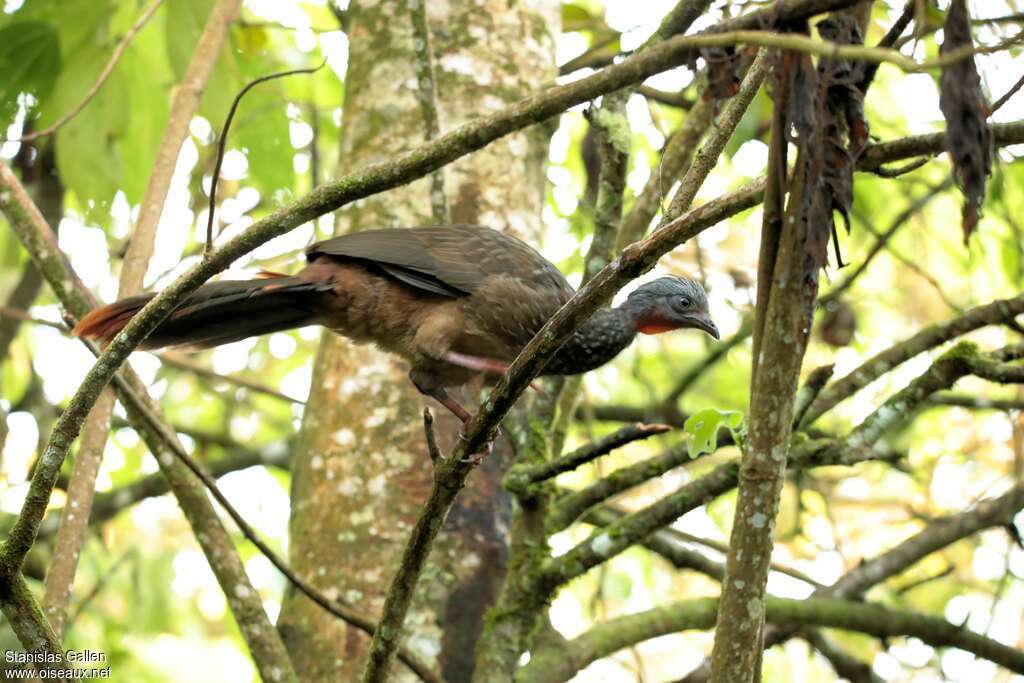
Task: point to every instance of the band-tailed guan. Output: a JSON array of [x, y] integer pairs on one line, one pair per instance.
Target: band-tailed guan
[[454, 301]]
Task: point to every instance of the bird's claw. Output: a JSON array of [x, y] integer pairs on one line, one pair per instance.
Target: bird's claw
[[475, 459]]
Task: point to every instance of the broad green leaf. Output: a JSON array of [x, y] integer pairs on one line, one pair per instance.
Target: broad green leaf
[[146, 77], [29, 63], [576, 18], [87, 155], [703, 429], [185, 21], [261, 132]]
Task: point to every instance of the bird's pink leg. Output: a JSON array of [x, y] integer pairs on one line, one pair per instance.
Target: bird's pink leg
[[481, 364], [465, 360], [445, 399]]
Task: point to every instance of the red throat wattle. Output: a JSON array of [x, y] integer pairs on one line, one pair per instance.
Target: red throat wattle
[[655, 324], [656, 328]]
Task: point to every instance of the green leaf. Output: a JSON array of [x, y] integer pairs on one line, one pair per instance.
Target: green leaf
[[29, 63], [185, 22], [618, 586], [576, 18], [703, 429], [261, 131], [146, 77], [87, 157]]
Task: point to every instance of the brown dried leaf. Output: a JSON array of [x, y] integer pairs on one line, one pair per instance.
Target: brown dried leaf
[[965, 109]]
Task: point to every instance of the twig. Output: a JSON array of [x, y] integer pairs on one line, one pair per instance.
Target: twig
[[592, 58], [427, 94], [168, 358], [672, 99], [184, 105], [108, 68], [431, 436], [717, 353], [676, 157], [24, 316], [708, 155], [882, 240], [611, 126], [889, 40], [912, 265], [74, 520], [574, 504], [961, 360], [903, 169], [1007, 95], [176, 360], [1006, 19], [98, 587], [606, 514], [843, 663], [223, 140], [520, 477], [974, 402], [108, 504], [813, 386], [928, 338], [924, 580]]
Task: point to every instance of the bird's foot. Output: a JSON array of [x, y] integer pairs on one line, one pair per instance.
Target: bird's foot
[[475, 459]]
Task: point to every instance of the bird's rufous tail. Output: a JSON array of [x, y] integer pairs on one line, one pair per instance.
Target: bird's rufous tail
[[216, 313]]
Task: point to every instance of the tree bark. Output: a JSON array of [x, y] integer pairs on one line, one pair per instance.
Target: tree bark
[[361, 471]]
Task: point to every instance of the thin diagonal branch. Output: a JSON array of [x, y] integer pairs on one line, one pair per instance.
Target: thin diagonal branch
[[75, 516], [930, 337], [426, 83], [521, 477]]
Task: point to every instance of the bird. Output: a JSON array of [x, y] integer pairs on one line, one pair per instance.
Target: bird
[[455, 301]]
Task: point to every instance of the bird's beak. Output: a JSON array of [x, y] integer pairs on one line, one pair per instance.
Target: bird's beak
[[703, 322]]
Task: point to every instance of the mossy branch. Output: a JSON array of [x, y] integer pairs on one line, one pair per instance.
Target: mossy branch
[[930, 337], [555, 666], [520, 477]]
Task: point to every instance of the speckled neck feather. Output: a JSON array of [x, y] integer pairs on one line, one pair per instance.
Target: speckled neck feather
[[600, 339]]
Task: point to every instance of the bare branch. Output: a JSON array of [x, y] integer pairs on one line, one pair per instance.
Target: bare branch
[[431, 436]]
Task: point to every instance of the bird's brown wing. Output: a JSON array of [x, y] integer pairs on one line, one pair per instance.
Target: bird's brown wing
[[454, 260]]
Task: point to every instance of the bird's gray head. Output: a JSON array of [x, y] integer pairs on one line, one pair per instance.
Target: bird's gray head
[[670, 303]]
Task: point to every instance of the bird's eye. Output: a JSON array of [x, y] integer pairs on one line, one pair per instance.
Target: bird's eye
[[684, 302]]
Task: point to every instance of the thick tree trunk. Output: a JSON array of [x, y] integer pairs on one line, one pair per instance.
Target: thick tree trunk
[[361, 471]]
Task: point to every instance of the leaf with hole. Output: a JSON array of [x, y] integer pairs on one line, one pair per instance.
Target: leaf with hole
[[703, 428]]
